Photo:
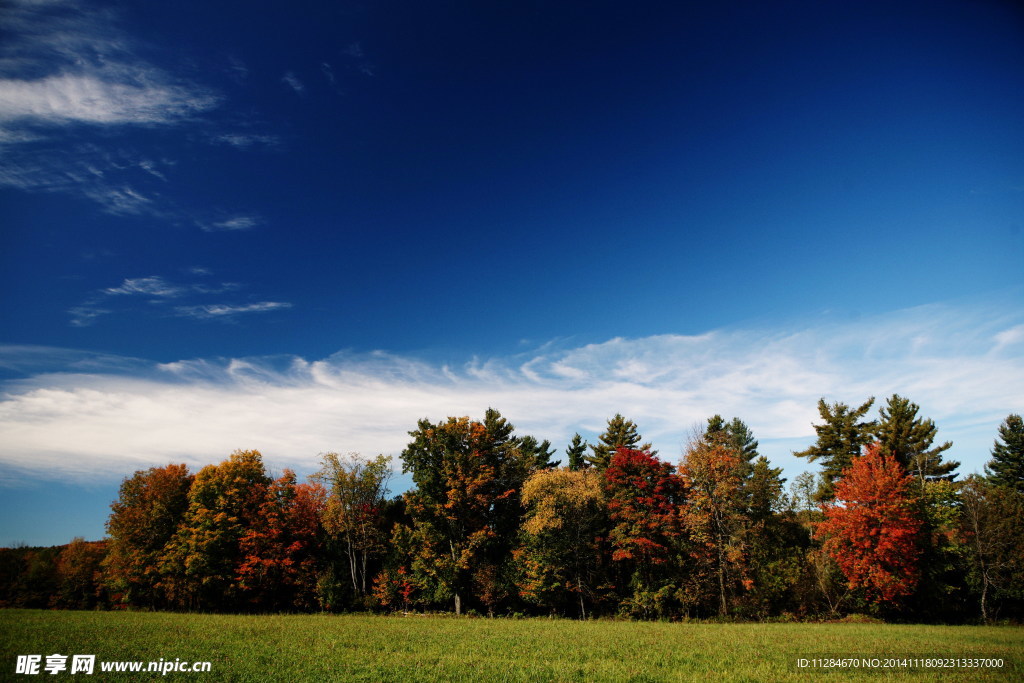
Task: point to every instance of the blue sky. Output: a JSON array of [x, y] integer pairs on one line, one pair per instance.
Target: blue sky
[[301, 227]]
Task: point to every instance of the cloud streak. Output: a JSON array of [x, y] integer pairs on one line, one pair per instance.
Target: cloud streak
[[293, 82], [159, 293], [223, 311], [234, 223], [106, 96], [75, 66], [66, 66], [965, 369]]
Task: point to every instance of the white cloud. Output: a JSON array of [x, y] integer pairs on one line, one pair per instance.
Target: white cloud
[[1011, 337], [102, 97], [150, 286], [74, 65], [82, 420], [234, 223], [292, 81], [228, 311], [247, 140], [68, 66], [159, 292]]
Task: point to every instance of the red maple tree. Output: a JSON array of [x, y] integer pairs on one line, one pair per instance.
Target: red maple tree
[[871, 529], [643, 498]]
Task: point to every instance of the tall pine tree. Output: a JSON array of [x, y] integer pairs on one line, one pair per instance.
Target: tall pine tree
[[734, 434], [908, 438], [621, 433], [840, 440], [1006, 468], [577, 453]]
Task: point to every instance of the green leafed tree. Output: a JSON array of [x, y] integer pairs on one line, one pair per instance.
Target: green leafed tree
[[538, 454], [841, 436], [577, 452], [908, 438], [993, 526], [357, 490], [1007, 465], [620, 433]]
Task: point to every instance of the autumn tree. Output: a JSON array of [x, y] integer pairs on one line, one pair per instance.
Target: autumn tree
[[712, 470], [840, 439], [871, 529], [224, 502], [734, 434], [353, 515], [80, 572], [908, 438], [561, 559], [397, 586], [143, 522], [1007, 465], [465, 507], [620, 433], [280, 553], [644, 495]]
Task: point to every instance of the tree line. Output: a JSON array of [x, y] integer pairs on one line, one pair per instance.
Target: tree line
[[494, 525]]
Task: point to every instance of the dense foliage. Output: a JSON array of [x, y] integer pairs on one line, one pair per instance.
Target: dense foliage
[[493, 525]]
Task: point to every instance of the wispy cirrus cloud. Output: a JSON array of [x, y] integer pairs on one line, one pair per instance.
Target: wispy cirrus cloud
[[105, 96], [244, 222], [150, 286], [248, 140], [66, 66], [963, 366], [293, 82], [159, 294], [64, 62], [224, 311]]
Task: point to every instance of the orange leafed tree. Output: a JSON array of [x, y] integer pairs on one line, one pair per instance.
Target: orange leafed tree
[[278, 552], [712, 471], [871, 529], [143, 523]]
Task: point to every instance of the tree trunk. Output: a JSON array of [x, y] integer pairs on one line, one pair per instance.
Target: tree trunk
[[722, 605], [352, 570], [984, 595], [458, 604]]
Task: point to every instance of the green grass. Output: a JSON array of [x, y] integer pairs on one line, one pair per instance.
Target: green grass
[[422, 648]]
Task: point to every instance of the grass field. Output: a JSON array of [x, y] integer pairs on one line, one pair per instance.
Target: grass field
[[421, 648]]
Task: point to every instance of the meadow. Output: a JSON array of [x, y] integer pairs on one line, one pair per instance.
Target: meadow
[[439, 648]]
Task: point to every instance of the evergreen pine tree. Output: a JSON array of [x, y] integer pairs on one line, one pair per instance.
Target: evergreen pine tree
[[840, 440], [763, 490], [1006, 468], [908, 438], [577, 453], [734, 434], [537, 455], [621, 433]]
